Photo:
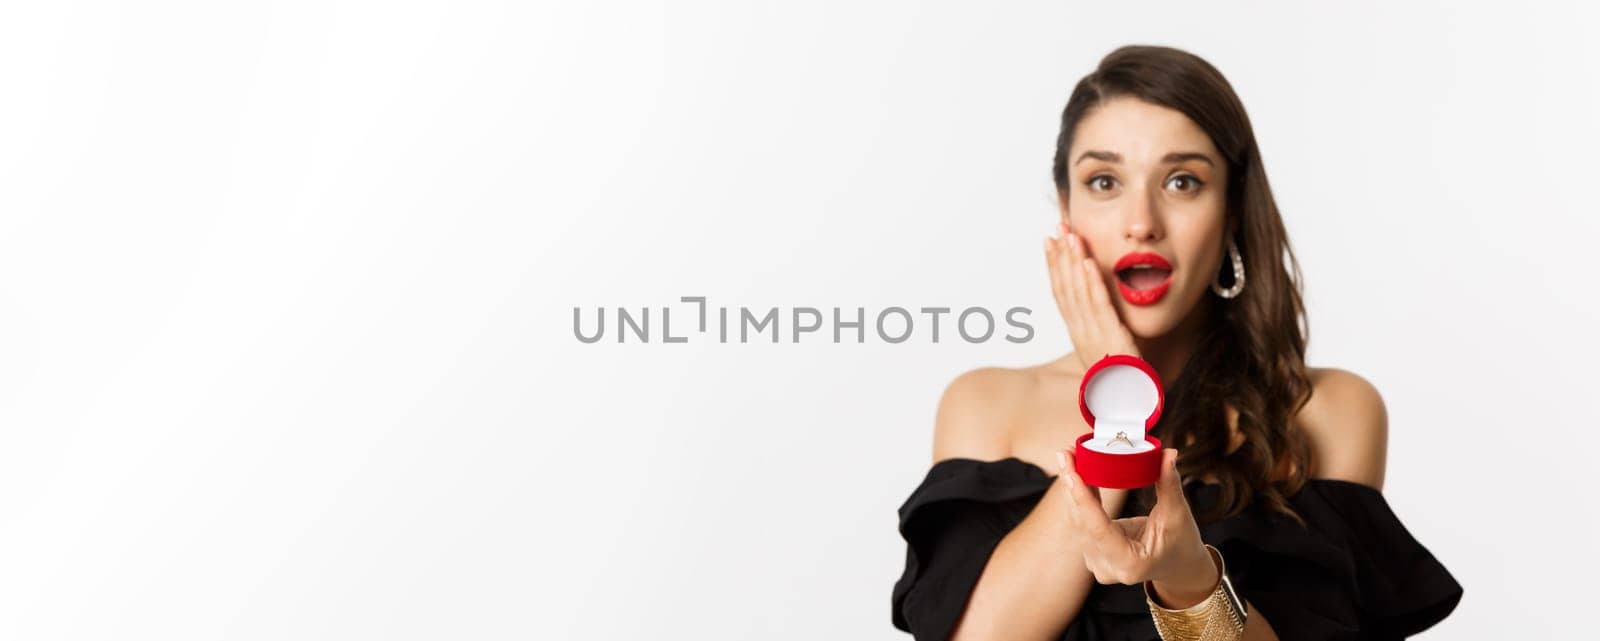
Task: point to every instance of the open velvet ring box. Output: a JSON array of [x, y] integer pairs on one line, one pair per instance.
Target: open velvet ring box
[[1120, 396]]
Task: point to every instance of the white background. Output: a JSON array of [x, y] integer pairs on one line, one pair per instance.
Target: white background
[[286, 297]]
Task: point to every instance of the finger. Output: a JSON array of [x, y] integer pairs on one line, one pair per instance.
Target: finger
[[1071, 310], [1097, 296], [1055, 249], [1064, 258], [1170, 485], [1097, 567], [1116, 548], [1073, 279], [1132, 526], [1083, 247], [1050, 262], [1092, 281], [1082, 498], [1108, 569], [1065, 469], [1052, 259], [1104, 571], [1120, 552], [1169, 481], [1072, 268], [1090, 515], [1100, 295], [1070, 458], [1091, 564]]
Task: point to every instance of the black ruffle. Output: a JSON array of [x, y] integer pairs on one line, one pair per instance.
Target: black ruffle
[[1354, 571], [951, 524]]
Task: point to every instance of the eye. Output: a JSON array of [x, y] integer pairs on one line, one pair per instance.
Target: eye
[[1100, 182], [1186, 182]]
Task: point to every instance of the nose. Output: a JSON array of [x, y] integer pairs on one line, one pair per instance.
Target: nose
[[1143, 224]]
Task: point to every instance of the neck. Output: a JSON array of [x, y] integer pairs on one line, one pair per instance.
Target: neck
[[1170, 351]]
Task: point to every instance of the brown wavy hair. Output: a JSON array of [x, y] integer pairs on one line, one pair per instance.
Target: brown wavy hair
[[1251, 353]]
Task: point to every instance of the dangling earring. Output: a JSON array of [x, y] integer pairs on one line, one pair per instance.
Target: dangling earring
[[1238, 274]]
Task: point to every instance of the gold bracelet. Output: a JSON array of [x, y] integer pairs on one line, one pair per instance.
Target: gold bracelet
[[1220, 617]]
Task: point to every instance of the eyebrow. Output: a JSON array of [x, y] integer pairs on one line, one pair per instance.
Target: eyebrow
[[1174, 157]]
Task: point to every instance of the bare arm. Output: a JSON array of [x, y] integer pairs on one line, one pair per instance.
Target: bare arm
[[1035, 582], [1256, 627], [1348, 425]]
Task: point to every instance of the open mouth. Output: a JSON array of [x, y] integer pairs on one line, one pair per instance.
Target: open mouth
[[1143, 277]]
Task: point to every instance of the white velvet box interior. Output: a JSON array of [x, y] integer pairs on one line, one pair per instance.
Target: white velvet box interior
[[1121, 398]]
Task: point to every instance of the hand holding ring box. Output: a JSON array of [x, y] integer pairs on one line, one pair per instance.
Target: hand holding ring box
[[1121, 397]]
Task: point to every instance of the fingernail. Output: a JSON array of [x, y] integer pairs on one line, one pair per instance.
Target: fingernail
[[1061, 459]]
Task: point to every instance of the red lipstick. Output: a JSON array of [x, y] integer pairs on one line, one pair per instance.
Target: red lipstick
[[1143, 277]]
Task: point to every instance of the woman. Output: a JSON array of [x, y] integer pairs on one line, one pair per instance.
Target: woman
[[1276, 465]]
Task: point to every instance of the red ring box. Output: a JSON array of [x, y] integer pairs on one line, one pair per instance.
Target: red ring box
[[1120, 393]]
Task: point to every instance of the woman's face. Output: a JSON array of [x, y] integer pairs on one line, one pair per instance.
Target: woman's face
[[1145, 178]]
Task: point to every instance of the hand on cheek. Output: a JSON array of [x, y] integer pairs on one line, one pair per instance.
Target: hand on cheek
[[1084, 300]]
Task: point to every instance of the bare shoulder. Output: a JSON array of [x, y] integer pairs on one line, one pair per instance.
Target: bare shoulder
[[1348, 426], [976, 413]]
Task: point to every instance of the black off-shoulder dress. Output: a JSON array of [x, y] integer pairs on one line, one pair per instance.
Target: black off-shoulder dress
[[1354, 573]]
